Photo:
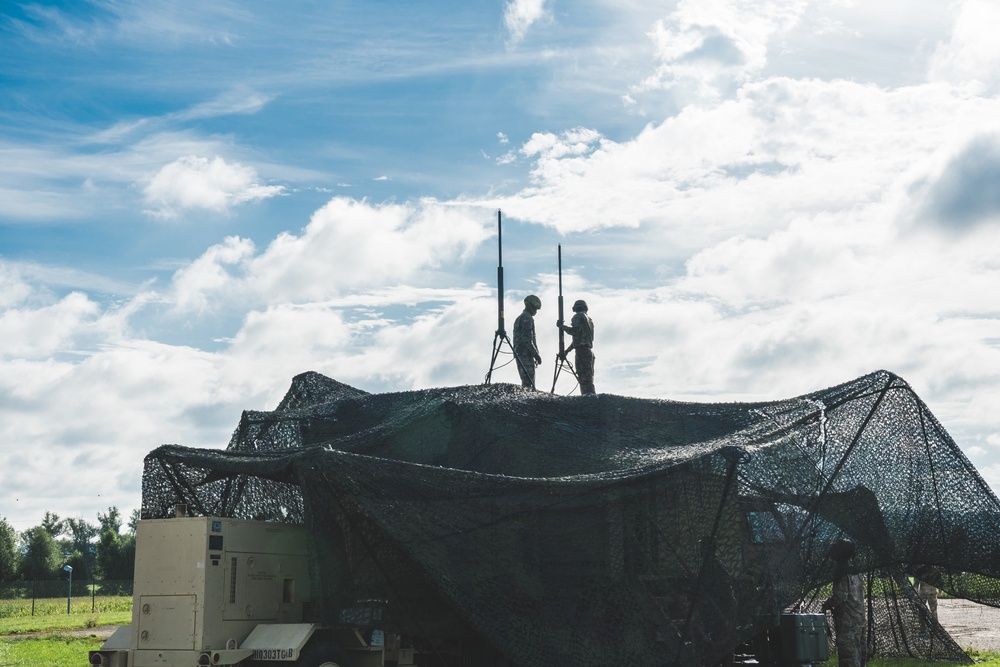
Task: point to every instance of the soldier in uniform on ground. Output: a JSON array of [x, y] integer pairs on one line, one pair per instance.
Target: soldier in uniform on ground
[[525, 345], [848, 606], [582, 329]]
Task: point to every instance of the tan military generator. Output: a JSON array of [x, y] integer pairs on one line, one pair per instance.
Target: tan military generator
[[211, 591]]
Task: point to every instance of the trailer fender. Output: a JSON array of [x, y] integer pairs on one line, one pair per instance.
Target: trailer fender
[[278, 641]]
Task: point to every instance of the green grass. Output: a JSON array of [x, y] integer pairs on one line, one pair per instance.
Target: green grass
[[55, 622], [48, 651]]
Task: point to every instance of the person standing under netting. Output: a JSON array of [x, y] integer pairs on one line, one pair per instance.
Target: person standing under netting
[[582, 329], [928, 581], [848, 606], [525, 345]]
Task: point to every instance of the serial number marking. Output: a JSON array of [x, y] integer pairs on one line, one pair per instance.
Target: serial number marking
[[273, 654]]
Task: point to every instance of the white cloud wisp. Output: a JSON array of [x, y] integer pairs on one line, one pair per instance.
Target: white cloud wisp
[[194, 182]]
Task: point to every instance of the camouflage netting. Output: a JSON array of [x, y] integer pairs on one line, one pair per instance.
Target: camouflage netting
[[596, 530]]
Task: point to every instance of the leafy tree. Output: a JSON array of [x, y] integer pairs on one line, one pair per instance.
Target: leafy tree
[[133, 521], [42, 557], [81, 573], [128, 557], [82, 541], [115, 551], [10, 555], [53, 525], [110, 521], [115, 557], [109, 548]]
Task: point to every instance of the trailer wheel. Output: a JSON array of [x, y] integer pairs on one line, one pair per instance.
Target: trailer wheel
[[322, 654]]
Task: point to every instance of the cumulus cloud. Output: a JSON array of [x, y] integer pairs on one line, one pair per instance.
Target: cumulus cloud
[[209, 275], [30, 331], [520, 15], [780, 149], [102, 410], [194, 182], [707, 46], [347, 244], [12, 288], [972, 53]]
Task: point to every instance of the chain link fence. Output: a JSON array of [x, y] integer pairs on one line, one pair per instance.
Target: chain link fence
[[40, 598]]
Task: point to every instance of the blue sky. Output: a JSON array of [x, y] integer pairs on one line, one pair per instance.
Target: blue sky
[[758, 199]]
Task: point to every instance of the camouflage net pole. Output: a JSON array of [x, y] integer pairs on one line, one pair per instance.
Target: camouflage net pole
[[602, 529]]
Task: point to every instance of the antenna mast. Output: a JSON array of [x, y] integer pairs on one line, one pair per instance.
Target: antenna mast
[[500, 337], [500, 325], [561, 359]]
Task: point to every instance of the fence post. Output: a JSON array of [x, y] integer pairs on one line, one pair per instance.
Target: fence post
[[32, 597], [93, 593]]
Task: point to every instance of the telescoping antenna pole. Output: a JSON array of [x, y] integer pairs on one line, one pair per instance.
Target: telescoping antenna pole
[[500, 325], [500, 337], [561, 359]]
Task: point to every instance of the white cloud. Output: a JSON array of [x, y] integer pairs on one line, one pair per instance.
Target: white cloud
[[346, 245], [707, 45], [56, 180], [96, 417], [33, 332], [149, 24], [13, 289], [782, 148], [520, 15], [194, 182], [292, 338], [237, 100], [973, 52], [209, 275]]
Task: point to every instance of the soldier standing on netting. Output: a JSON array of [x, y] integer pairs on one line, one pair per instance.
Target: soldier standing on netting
[[525, 346], [848, 606], [582, 329]]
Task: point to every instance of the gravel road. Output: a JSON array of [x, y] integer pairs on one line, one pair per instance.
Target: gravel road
[[972, 625]]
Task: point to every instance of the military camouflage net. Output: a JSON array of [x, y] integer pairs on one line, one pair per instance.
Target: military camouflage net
[[597, 530]]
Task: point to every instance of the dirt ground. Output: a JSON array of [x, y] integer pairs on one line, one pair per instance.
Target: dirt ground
[[972, 625], [103, 632]]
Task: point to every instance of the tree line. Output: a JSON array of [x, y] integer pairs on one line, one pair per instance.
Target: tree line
[[103, 550]]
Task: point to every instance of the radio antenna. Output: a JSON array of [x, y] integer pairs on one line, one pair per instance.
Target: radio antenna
[[500, 326], [500, 337], [561, 360]]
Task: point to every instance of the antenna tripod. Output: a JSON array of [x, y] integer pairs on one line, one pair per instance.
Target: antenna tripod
[[501, 337], [561, 360]]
